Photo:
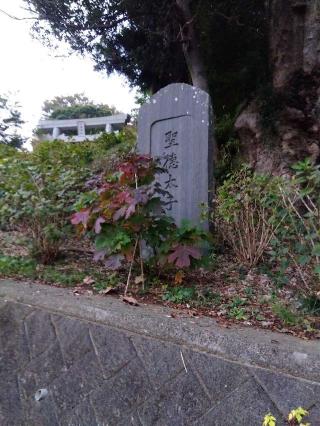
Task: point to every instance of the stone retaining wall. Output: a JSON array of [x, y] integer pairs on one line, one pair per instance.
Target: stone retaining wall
[[106, 363]]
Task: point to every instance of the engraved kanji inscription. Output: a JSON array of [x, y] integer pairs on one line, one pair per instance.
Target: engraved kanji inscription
[[171, 139], [170, 161]]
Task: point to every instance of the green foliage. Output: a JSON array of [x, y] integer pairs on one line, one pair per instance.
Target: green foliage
[[236, 310], [248, 213], [38, 189], [180, 294], [17, 266], [287, 316], [66, 278], [297, 415], [274, 219], [311, 304], [75, 106], [295, 418], [237, 313], [59, 274], [110, 281], [142, 40], [127, 213], [269, 420], [298, 241], [228, 147], [208, 298], [37, 192], [10, 123], [64, 101], [102, 154]]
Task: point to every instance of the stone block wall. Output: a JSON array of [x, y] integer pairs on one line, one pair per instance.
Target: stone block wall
[[105, 363]]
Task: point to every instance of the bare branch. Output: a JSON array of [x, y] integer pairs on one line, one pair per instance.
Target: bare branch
[[15, 18]]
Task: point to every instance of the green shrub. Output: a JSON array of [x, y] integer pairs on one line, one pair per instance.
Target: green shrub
[[99, 155], [38, 189], [275, 219], [248, 213], [299, 242]]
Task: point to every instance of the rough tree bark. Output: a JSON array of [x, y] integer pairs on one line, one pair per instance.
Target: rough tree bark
[[191, 47], [295, 63]]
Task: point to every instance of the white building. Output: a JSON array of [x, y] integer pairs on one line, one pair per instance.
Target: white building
[[77, 130]]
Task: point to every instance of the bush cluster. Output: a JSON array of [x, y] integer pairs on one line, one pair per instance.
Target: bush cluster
[[125, 213], [38, 189], [274, 220]]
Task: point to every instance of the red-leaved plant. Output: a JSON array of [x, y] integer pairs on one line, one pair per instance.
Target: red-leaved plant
[[125, 214]]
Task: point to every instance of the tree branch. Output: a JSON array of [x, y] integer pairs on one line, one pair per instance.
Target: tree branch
[[15, 18]]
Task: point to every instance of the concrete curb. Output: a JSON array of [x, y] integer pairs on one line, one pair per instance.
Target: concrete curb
[[245, 346]]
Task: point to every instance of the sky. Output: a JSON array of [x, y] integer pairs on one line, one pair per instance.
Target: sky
[[30, 73]]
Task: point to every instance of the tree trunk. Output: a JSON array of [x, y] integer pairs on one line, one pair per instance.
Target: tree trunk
[[295, 63], [191, 47]]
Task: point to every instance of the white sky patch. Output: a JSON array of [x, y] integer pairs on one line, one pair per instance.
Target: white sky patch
[[32, 73]]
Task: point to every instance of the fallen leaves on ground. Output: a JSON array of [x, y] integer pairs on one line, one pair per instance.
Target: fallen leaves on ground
[[130, 300]]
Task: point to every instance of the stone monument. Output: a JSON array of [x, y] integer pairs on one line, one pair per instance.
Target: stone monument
[[176, 126]]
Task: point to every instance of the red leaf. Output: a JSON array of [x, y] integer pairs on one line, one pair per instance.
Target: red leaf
[[182, 255], [81, 217], [97, 225]]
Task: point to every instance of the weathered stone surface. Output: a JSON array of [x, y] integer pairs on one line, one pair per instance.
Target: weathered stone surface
[[245, 406], [120, 395], [220, 377], [28, 384], [47, 366], [176, 126], [76, 384], [162, 361], [10, 402], [83, 414], [138, 366], [113, 348], [40, 412], [40, 332], [14, 343], [289, 393], [181, 402], [74, 339]]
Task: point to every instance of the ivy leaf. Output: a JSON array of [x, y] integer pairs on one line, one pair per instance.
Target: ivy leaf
[[81, 217], [113, 240], [97, 225], [182, 255]]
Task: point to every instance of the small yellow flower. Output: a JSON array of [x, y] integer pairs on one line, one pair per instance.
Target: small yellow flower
[[269, 420], [298, 415]]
